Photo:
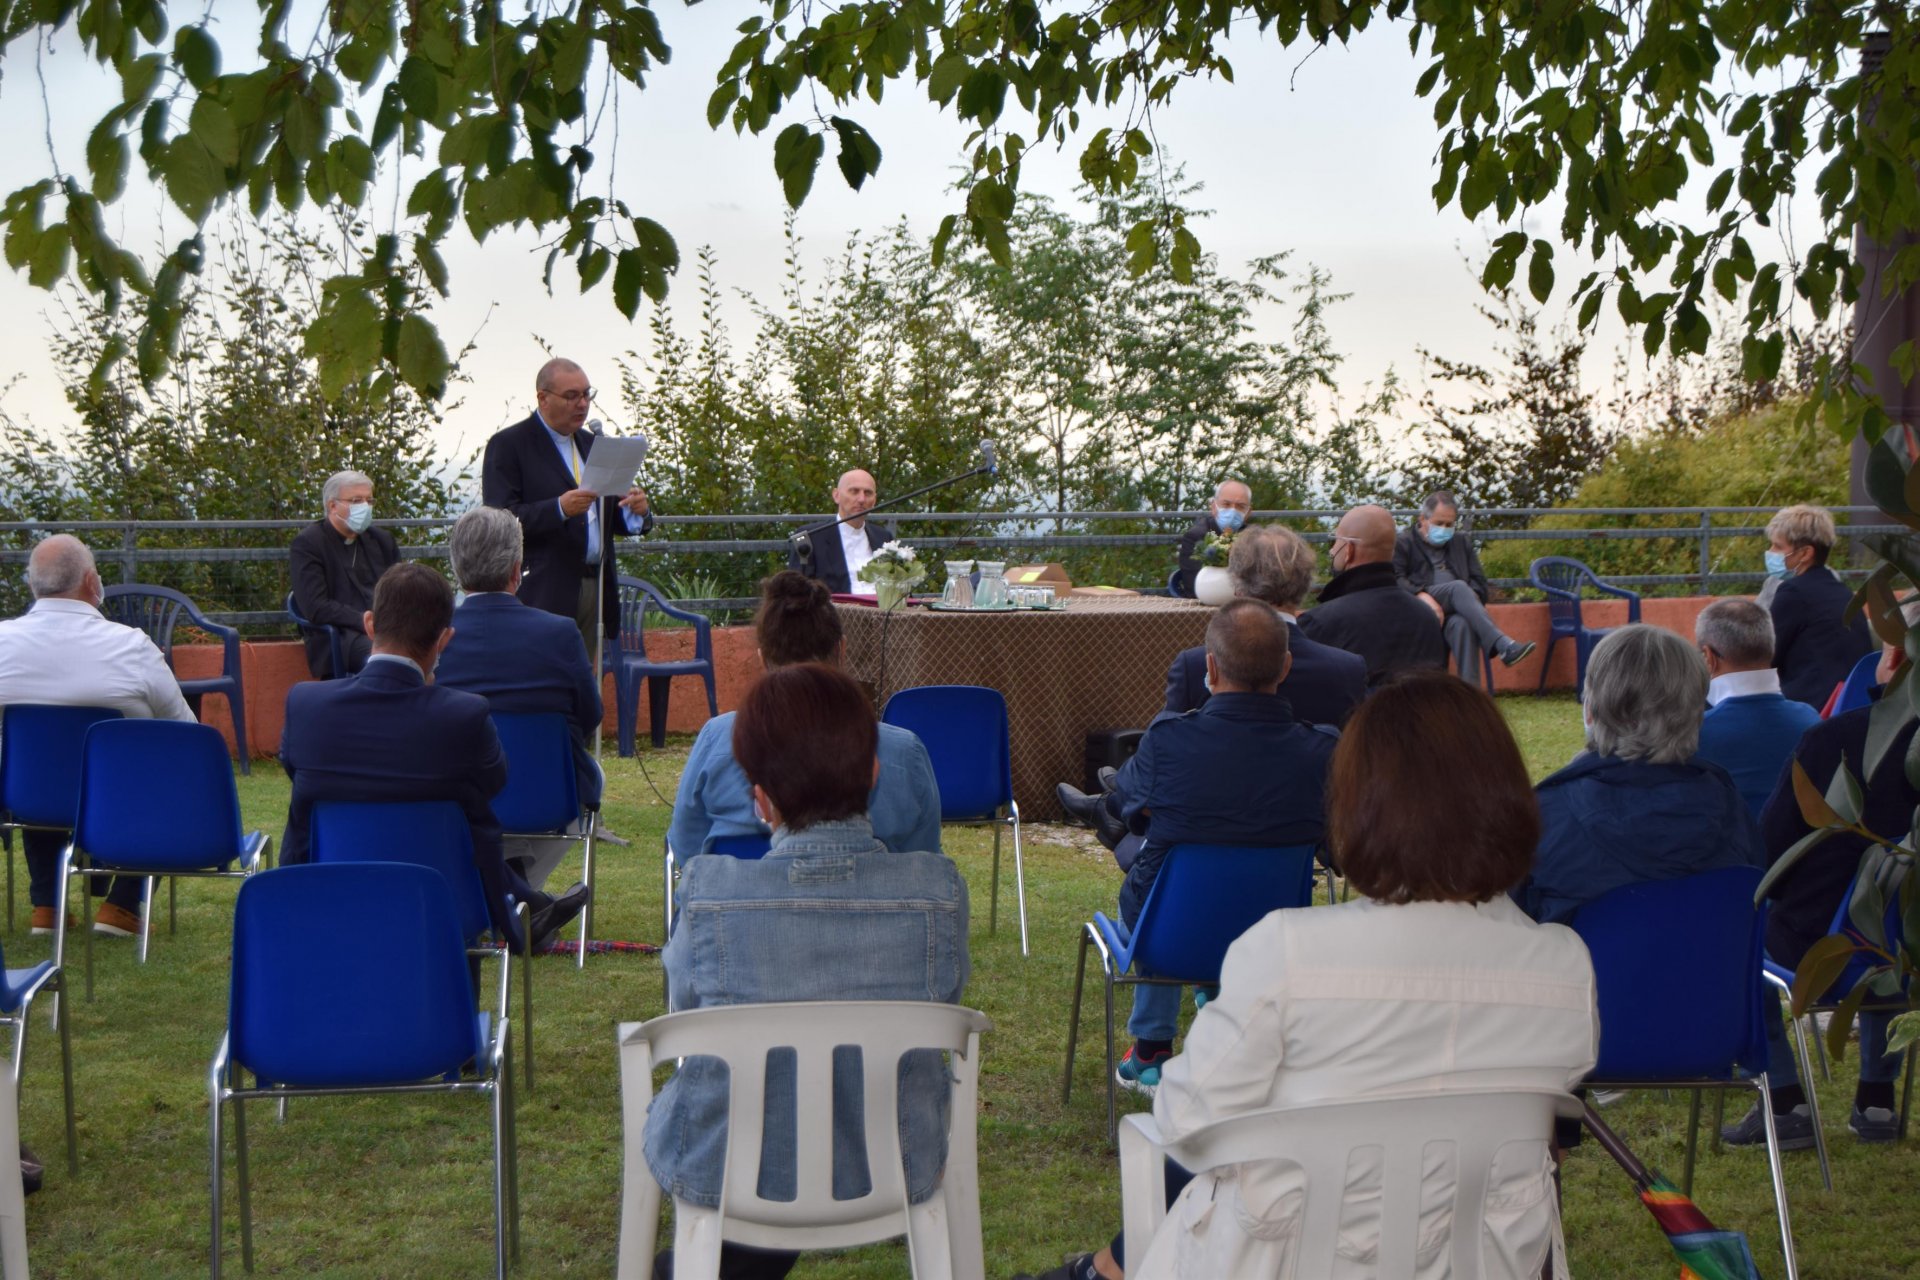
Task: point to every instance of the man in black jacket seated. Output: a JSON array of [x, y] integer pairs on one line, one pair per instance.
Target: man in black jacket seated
[[335, 562], [1232, 503], [1443, 572], [1363, 608], [836, 551]]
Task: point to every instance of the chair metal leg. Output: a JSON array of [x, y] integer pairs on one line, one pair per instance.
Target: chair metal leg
[[1906, 1095], [993, 890], [213, 1128], [1779, 1177], [526, 995], [1073, 1018], [1019, 878], [10, 880], [1113, 1114], [66, 1079], [1719, 1119], [245, 1186], [1819, 1047], [499, 1092], [1693, 1141], [1813, 1098], [65, 877], [173, 906], [586, 913], [146, 915], [511, 1114]]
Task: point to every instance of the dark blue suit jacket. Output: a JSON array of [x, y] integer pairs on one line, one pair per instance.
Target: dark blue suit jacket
[[1324, 686], [1812, 648], [829, 559], [522, 472], [522, 659], [387, 735]]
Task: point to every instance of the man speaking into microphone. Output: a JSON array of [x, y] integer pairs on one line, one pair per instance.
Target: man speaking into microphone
[[533, 469]]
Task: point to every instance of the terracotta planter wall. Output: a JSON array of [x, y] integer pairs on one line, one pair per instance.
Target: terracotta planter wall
[[272, 667]]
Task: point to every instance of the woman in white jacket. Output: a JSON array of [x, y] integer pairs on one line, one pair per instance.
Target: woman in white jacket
[[1432, 980]]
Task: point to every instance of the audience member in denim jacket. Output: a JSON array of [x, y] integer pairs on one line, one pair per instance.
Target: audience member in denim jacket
[[797, 623], [828, 914], [1638, 804]]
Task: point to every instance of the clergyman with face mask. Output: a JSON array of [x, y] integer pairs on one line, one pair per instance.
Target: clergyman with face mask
[[1436, 562], [1227, 512], [336, 561], [1363, 609]]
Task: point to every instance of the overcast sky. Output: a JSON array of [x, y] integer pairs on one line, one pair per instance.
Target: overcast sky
[[1329, 156]]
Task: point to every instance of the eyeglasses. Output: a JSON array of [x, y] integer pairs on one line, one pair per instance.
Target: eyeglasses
[[571, 397]]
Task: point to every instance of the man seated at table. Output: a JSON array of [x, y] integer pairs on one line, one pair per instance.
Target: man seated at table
[[390, 734], [1750, 728], [1240, 770], [829, 914], [1323, 684], [335, 562], [1226, 512], [1443, 572], [836, 553], [520, 659], [1363, 608]]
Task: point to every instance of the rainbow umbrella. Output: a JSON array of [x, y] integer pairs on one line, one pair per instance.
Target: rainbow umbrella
[[1705, 1251]]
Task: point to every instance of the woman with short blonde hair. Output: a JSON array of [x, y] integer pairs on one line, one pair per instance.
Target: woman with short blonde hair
[[1814, 647]]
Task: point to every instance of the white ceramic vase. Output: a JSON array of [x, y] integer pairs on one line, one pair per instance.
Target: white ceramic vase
[[1212, 586]]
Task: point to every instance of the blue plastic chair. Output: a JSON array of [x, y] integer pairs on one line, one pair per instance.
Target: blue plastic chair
[[1205, 896], [40, 770], [751, 847], [391, 1013], [157, 611], [542, 795], [1805, 1031], [1564, 582], [157, 798], [1677, 969], [336, 649], [628, 662], [964, 729], [18, 987], [435, 834], [1856, 691]]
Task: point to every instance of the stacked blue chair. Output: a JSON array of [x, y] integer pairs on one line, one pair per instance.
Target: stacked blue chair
[[542, 795], [336, 648], [628, 662], [432, 834], [392, 1013], [157, 611], [1205, 896], [40, 770], [1677, 967], [964, 729], [157, 798], [1564, 582]]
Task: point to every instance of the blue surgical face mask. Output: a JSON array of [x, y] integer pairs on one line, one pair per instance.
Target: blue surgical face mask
[[1229, 519], [1439, 534], [359, 516], [1777, 565]]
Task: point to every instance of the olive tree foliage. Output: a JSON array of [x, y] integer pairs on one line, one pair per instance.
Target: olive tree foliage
[[1604, 109]]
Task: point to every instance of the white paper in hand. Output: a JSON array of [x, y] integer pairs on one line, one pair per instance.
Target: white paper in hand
[[610, 469]]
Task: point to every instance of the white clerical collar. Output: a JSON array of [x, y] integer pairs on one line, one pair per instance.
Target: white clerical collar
[[1742, 684]]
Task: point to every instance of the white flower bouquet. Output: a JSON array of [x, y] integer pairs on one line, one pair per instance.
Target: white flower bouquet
[[894, 571]]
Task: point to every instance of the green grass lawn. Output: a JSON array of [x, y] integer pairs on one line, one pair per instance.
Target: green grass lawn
[[398, 1187]]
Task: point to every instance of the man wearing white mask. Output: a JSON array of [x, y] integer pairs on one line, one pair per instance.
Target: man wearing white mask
[[1444, 573], [336, 561], [1227, 513]]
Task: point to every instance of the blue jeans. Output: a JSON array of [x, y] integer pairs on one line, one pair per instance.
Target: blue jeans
[[1156, 1009], [1877, 1066]]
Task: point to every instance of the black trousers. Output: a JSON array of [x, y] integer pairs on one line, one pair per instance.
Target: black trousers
[[43, 873], [737, 1262]]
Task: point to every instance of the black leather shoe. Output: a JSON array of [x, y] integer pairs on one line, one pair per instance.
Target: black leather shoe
[[1079, 805], [553, 917], [1106, 774]]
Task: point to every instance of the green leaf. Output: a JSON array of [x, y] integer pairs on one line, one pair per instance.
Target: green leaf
[[1819, 969], [195, 179], [107, 161], [431, 263], [420, 357], [1540, 271], [593, 266], [214, 128], [627, 273], [1143, 247], [859, 153], [723, 98], [49, 258], [197, 55], [656, 244], [1786, 861], [419, 82], [949, 72], [1903, 1031], [983, 96], [1844, 797], [1887, 483], [796, 154], [1840, 1025]]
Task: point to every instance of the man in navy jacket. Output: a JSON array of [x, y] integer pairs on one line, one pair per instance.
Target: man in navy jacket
[[533, 469], [389, 734], [1750, 728]]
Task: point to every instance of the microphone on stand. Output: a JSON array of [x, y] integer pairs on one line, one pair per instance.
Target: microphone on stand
[[987, 460]]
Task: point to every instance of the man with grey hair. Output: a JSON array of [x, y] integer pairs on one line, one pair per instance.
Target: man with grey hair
[[336, 561], [1639, 803], [519, 659], [1227, 512], [1443, 572], [534, 469], [1750, 728], [65, 652]]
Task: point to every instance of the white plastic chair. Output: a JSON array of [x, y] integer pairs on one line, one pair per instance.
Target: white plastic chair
[[943, 1232], [1321, 1139], [13, 1197]]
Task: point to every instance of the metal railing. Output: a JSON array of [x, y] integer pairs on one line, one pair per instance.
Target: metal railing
[[118, 544]]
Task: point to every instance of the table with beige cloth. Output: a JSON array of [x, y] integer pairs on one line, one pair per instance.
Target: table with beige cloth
[[1100, 663]]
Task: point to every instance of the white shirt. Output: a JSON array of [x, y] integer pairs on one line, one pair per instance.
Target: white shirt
[[66, 653], [1742, 684], [853, 542]]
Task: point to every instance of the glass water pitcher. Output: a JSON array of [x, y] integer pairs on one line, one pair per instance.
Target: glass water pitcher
[[992, 591], [959, 589]]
